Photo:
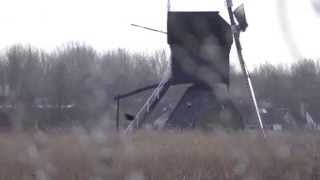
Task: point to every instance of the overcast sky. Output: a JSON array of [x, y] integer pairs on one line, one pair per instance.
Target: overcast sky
[[279, 30]]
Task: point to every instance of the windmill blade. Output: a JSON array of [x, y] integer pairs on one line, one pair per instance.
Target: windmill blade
[[240, 15], [244, 68]]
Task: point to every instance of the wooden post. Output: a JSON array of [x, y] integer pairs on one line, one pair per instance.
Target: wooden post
[[117, 116]]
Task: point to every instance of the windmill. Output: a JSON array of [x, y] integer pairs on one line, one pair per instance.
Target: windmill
[[200, 43]]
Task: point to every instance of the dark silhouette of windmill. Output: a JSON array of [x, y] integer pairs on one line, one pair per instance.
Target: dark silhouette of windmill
[[200, 44]]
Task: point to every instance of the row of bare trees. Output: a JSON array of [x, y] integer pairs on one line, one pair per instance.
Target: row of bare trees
[[72, 85], [75, 85], [290, 85]]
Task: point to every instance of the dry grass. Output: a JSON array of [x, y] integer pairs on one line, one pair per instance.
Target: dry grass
[[160, 156]]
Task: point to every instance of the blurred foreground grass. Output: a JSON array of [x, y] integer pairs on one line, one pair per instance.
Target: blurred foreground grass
[[79, 155]]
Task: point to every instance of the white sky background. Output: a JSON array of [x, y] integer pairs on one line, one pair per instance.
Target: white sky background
[[105, 24]]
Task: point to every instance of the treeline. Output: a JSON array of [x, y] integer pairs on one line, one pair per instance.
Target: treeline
[[75, 85], [290, 86]]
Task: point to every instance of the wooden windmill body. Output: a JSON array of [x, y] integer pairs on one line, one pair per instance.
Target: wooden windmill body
[[200, 44]]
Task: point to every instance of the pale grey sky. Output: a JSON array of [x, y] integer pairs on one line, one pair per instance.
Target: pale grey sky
[[105, 24]]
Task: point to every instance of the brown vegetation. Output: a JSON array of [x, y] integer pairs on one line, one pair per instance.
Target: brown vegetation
[[160, 156]]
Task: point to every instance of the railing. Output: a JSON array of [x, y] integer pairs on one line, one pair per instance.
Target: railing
[[147, 107]]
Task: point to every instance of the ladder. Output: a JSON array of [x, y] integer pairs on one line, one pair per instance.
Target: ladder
[[150, 104]]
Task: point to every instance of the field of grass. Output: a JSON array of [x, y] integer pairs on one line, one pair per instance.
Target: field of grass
[[79, 155]]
